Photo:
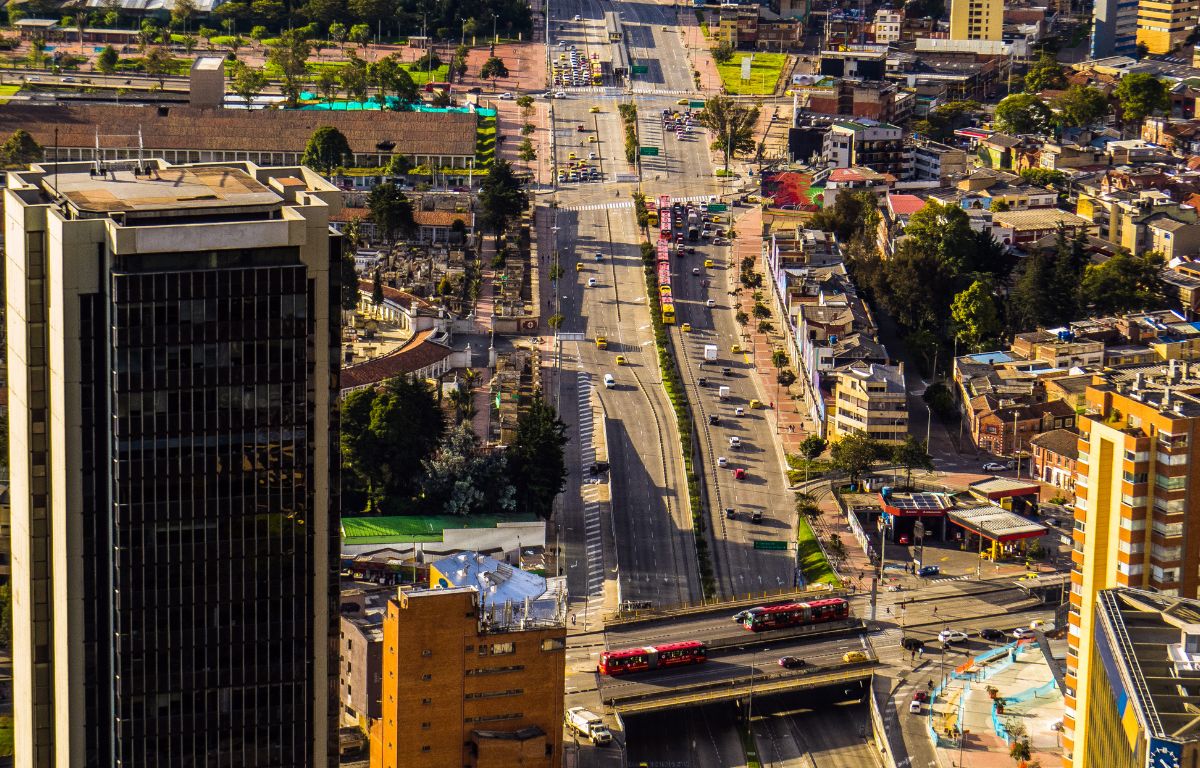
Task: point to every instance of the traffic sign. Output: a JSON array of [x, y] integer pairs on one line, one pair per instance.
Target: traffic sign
[[639, 69], [648, 151], [696, 104], [769, 544], [717, 207]]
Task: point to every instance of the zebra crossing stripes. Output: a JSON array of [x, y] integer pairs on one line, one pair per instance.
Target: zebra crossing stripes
[[964, 577], [599, 206], [593, 540]]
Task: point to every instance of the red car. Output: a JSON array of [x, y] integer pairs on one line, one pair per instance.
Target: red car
[[739, 474]]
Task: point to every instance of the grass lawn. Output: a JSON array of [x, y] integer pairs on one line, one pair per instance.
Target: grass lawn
[[6, 736], [764, 74], [420, 77], [6, 91], [797, 465], [816, 568]]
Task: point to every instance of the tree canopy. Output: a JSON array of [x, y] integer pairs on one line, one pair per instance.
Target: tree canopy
[[1125, 283], [391, 210], [1141, 94], [854, 454], [732, 125], [463, 478], [493, 69], [911, 454], [20, 149], [502, 197], [945, 119], [289, 54], [1045, 74], [537, 459], [975, 317], [326, 150], [1022, 113], [386, 434], [1081, 106]]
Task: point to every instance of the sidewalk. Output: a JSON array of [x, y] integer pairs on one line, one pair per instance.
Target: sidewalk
[[698, 51]]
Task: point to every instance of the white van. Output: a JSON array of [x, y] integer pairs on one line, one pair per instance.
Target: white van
[[609, 381]]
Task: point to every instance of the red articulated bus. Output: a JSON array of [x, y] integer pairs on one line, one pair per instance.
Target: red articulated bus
[[794, 614], [653, 657]]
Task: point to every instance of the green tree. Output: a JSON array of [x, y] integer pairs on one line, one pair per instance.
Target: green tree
[[390, 210], [1032, 300], [157, 63], [502, 197], [1022, 113], [267, 11], [847, 217], [338, 33], [493, 69], [353, 78], [458, 64], [537, 458], [975, 317], [323, 12], [526, 152], [326, 150], [377, 288], [911, 454], [247, 82], [1141, 94], [732, 125], [21, 149], [371, 11], [258, 33], [812, 446], [106, 62], [1081, 106], [360, 34], [462, 478], [1045, 74], [289, 54], [944, 120], [1124, 283], [722, 52], [398, 165], [327, 83], [525, 103], [854, 454], [387, 432], [806, 506], [1043, 177]]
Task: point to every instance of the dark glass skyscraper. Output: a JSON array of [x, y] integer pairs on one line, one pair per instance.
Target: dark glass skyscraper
[[173, 340]]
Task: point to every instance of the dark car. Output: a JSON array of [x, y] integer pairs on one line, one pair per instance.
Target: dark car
[[757, 516], [993, 634], [792, 662], [599, 467], [726, 371], [703, 382], [729, 513], [714, 419], [929, 570], [912, 644]]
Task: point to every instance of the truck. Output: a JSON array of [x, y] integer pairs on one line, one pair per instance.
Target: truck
[[588, 724], [710, 352], [723, 393]]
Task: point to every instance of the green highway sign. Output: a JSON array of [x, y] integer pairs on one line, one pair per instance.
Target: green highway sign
[[769, 544], [696, 104], [648, 151], [639, 69], [717, 207]]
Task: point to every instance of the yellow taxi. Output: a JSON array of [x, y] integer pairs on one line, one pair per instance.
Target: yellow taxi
[[855, 657], [708, 263], [594, 109], [621, 360], [682, 102], [755, 404], [736, 349], [572, 156], [579, 266], [686, 327], [592, 139]]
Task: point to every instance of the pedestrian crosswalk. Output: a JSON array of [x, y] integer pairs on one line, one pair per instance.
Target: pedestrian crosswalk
[[593, 540], [620, 204], [948, 578], [647, 90]]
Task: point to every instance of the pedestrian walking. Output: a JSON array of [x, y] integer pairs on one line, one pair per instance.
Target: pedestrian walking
[[935, 610]]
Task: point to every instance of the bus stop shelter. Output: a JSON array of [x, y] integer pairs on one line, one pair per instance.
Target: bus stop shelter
[[1005, 532]]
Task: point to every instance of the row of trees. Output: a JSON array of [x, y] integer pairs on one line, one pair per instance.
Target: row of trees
[[399, 456]]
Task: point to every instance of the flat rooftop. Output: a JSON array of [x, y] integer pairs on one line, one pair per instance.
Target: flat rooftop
[[995, 523], [164, 189]]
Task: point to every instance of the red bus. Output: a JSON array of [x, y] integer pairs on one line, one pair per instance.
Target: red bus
[[653, 657], [795, 614]]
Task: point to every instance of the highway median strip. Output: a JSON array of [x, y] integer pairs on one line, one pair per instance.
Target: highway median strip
[[673, 384]]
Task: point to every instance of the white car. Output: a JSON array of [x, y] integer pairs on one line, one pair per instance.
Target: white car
[[952, 636], [506, 96], [578, 17], [710, 303], [735, 442], [591, 282], [1020, 633], [560, 94], [739, 411], [992, 466], [722, 461], [591, 155]]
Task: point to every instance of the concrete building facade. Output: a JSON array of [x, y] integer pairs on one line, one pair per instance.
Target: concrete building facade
[[173, 375], [1114, 28], [870, 400], [1135, 518], [976, 19], [1165, 25]]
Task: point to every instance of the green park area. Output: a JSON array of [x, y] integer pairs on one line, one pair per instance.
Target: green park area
[[764, 74], [417, 528]]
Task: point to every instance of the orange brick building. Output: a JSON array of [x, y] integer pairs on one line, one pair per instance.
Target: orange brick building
[[463, 686]]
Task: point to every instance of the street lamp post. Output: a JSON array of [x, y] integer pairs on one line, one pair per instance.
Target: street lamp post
[[753, 669]]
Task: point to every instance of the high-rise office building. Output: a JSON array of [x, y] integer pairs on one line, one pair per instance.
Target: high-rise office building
[[1135, 515], [1114, 28], [473, 670], [976, 19], [173, 375], [1165, 25]]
